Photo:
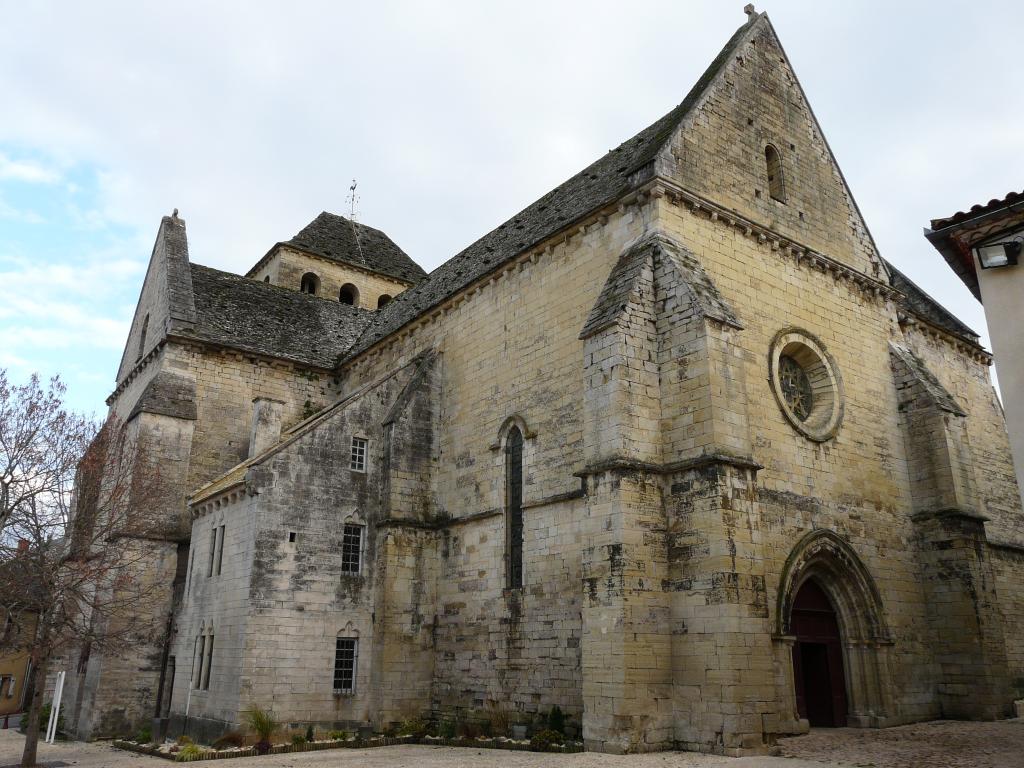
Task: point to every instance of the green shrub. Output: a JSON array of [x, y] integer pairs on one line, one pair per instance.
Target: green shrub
[[447, 729], [414, 726], [338, 735], [145, 736], [44, 718], [262, 722], [556, 720], [297, 739], [310, 733], [230, 739], [183, 740], [544, 740], [189, 753]]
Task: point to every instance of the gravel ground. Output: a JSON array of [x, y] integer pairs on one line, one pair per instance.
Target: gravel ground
[[939, 744], [926, 745]]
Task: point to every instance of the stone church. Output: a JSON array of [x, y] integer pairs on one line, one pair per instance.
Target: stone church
[[673, 448]]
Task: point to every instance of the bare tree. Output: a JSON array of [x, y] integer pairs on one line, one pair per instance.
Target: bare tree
[[80, 508]]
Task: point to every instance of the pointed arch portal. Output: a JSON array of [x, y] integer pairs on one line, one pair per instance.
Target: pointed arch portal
[[833, 638]]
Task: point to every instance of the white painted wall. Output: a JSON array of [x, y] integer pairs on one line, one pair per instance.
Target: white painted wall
[[1002, 293]]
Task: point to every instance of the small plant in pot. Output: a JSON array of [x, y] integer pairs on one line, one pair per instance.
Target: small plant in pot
[[263, 723]]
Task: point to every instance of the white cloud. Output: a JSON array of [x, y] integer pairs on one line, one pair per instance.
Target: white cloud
[[9, 213], [23, 170], [454, 116]]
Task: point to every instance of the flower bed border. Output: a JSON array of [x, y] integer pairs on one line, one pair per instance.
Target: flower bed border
[[316, 746]]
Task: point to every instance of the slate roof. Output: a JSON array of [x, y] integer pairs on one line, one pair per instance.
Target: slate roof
[[349, 242], [602, 182], [167, 394], [919, 302], [258, 317]]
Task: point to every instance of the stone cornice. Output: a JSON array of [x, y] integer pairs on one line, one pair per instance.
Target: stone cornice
[[620, 464], [947, 513], [804, 255], [136, 370]]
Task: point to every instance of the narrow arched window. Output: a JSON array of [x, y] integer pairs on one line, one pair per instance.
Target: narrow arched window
[[349, 294], [776, 180], [514, 506], [266, 279], [310, 284], [142, 338], [383, 300]]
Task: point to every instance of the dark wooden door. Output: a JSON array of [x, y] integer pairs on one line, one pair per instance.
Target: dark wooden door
[[818, 659]]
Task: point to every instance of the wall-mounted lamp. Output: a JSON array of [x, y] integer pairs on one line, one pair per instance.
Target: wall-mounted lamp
[[1002, 254]]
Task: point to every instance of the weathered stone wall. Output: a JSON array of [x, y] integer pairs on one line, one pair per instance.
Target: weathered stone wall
[[227, 382], [720, 154], [191, 453], [969, 381], [279, 604], [1008, 567], [512, 349]]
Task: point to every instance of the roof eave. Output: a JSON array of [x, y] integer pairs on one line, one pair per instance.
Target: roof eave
[[963, 268]]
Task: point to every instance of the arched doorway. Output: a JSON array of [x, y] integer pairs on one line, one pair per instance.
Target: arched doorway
[[818, 658], [827, 597]]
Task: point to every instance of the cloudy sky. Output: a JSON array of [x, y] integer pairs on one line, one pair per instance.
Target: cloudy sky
[[252, 117]]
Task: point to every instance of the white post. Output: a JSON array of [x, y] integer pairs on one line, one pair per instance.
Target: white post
[[51, 731]]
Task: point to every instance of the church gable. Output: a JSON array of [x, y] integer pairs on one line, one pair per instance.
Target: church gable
[[165, 301], [752, 144]]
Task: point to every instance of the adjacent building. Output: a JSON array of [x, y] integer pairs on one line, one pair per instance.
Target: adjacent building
[[983, 246]]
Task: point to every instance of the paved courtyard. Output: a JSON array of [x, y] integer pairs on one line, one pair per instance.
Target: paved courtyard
[[926, 745]]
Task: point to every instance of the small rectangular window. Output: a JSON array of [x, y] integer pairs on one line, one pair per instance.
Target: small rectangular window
[[209, 663], [191, 571], [345, 654], [213, 552], [358, 459], [351, 548], [220, 548]]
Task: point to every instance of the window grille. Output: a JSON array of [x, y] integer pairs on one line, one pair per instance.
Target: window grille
[[351, 548], [357, 462], [346, 651]]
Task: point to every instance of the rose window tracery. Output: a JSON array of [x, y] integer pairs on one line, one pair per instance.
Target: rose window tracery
[[796, 387]]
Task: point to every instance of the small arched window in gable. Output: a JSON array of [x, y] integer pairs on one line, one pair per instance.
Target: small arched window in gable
[[349, 294], [383, 301], [776, 180], [142, 338], [310, 284], [266, 279]]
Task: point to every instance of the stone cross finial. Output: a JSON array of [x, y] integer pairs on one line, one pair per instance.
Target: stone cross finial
[[175, 214], [749, 9]]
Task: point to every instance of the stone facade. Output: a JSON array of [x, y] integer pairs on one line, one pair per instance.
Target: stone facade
[[674, 501]]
